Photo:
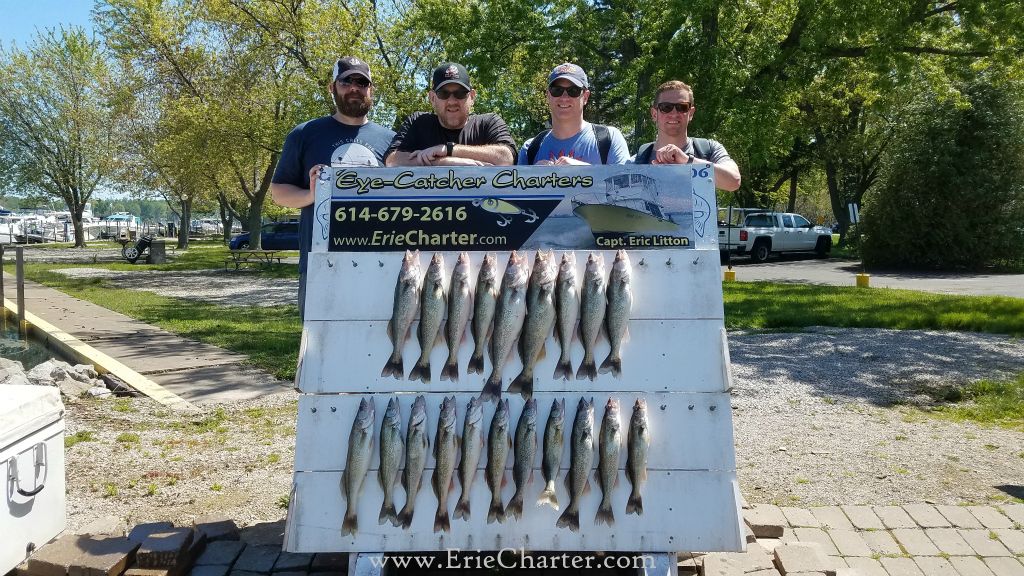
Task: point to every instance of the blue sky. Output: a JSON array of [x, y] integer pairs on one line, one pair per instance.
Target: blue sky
[[21, 18]]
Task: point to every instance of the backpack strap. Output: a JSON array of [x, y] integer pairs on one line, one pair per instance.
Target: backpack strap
[[604, 141], [531, 151], [702, 148], [643, 155]]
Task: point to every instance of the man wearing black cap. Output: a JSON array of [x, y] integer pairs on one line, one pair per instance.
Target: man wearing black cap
[[345, 138], [451, 136], [573, 140]]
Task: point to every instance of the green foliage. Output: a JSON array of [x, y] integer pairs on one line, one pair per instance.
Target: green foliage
[[991, 402], [80, 436], [952, 194]]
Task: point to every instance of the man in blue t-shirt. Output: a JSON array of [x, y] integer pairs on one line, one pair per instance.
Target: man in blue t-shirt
[[572, 140], [345, 138]]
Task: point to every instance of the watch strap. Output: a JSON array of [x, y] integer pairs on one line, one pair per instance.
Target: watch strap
[[449, 148]]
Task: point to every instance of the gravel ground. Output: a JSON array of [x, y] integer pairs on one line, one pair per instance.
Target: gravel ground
[[823, 416]]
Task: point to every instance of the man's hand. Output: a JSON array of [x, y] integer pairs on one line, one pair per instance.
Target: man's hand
[[314, 172], [567, 161], [421, 157], [669, 154]]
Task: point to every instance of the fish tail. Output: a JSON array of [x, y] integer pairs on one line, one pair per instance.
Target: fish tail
[[587, 369], [495, 512], [570, 518], [421, 371], [605, 515], [387, 513], [476, 363], [450, 370], [350, 525], [635, 504], [393, 367], [462, 508], [515, 506], [563, 370], [523, 384], [612, 363], [548, 496], [441, 522], [405, 517], [492, 389]]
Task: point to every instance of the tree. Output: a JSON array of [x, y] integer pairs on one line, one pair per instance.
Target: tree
[[59, 116], [952, 191]]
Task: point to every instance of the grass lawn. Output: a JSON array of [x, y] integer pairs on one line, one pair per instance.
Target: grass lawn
[[991, 402]]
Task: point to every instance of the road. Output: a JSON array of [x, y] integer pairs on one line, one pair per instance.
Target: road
[[809, 270]]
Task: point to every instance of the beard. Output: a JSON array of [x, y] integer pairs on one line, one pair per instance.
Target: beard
[[354, 105]]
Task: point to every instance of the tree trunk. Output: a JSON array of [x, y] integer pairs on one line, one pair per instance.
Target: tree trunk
[[186, 223], [791, 207]]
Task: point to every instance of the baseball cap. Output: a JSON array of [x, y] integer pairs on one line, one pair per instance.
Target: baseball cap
[[451, 73], [349, 65], [570, 72]]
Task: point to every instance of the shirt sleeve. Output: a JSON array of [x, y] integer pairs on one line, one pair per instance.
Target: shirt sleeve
[[619, 151], [289, 166], [523, 153], [405, 138], [497, 133], [718, 152]]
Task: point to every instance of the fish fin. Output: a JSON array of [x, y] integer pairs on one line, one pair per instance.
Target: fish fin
[[439, 337], [563, 370], [344, 474], [450, 371], [587, 370], [605, 516], [433, 483], [492, 389], [611, 364], [476, 363], [405, 517], [421, 371], [496, 512], [391, 330], [549, 497], [462, 508], [387, 512], [515, 507], [542, 354], [635, 505], [570, 518], [393, 367], [642, 476], [586, 487], [441, 522], [350, 524], [522, 384]]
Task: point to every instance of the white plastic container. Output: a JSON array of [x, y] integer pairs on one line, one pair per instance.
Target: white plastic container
[[32, 470]]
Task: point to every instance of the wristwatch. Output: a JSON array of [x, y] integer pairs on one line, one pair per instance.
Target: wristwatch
[[449, 147], [689, 158]]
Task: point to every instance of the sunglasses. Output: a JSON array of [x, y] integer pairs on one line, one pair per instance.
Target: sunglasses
[[573, 91], [666, 107], [355, 81], [446, 94]]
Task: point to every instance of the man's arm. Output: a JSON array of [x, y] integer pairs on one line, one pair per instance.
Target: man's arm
[[727, 175], [493, 154], [292, 196]]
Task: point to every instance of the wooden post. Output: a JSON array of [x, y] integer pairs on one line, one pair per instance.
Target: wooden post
[[1, 274], [20, 267]]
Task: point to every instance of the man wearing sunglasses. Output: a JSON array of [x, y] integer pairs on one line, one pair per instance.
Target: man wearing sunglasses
[[572, 140], [672, 112], [451, 135], [345, 138]]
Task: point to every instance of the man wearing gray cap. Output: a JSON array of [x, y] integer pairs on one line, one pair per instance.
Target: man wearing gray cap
[[451, 135], [572, 140], [345, 138]]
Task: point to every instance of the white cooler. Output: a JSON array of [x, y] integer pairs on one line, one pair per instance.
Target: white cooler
[[32, 469]]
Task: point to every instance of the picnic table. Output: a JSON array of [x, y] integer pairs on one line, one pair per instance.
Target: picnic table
[[260, 258]]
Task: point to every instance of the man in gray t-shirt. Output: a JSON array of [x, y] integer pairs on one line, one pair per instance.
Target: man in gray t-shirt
[[672, 112]]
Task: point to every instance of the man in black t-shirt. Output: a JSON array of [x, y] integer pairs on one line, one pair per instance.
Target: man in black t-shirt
[[451, 136]]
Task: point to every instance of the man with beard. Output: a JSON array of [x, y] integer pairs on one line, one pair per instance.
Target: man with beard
[[345, 138], [451, 136], [672, 111]]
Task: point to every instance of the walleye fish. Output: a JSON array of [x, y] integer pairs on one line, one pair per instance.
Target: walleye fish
[[608, 466], [554, 439], [432, 305], [460, 304], [620, 301], [485, 299], [472, 448], [540, 317], [567, 299], [509, 315], [522, 459], [357, 462], [638, 441], [446, 449], [498, 444], [390, 460], [407, 302], [581, 459], [592, 310], [417, 440]]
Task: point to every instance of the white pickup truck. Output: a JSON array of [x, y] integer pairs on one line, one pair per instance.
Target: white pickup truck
[[760, 234]]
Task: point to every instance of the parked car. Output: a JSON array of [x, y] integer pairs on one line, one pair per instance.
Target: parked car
[[774, 232], [273, 236]]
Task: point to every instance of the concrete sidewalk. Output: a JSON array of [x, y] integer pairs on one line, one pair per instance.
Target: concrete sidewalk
[[197, 372]]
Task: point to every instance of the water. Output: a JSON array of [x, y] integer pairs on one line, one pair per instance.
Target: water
[[12, 347]]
